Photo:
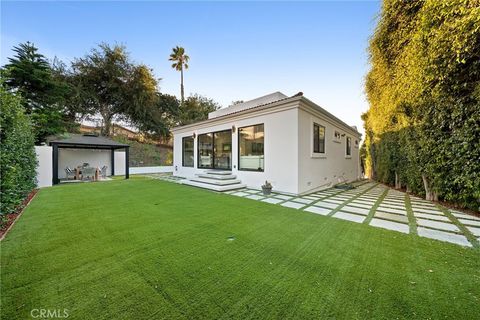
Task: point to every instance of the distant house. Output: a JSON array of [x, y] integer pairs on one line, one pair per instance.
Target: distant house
[[290, 141]]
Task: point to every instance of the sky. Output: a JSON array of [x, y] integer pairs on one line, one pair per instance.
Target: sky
[[238, 50]]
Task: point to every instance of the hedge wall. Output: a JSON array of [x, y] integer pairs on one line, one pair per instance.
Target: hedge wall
[[17, 157], [423, 124]]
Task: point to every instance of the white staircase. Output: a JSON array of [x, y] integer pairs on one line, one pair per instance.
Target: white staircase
[[215, 180]]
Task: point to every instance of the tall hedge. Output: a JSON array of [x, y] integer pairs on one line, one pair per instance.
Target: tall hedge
[[17, 156], [423, 123]]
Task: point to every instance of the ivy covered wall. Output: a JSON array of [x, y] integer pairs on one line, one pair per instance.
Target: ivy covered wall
[[423, 124]]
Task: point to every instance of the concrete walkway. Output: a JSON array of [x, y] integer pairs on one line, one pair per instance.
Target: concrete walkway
[[378, 206]]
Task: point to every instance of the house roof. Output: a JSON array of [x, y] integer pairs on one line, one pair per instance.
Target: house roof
[[272, 97], [251, 108], [88, 141]]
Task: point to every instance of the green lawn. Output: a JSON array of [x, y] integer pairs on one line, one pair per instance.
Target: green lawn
[[144, 249]]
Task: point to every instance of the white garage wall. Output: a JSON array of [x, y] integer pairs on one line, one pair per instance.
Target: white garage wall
[[44, 166]]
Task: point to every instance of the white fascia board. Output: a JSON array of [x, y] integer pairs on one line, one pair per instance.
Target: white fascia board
[[314, 109], [246, 114]]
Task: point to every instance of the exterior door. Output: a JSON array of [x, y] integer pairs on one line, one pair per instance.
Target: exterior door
[[215, 150]]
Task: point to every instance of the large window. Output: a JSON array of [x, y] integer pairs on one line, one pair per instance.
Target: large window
[[348, 151], [318, 138], [187, 152], [251, 145]]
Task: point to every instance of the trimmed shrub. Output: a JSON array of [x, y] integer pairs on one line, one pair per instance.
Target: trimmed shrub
[[17, 157]]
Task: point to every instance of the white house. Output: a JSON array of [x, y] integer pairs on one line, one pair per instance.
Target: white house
[[290, 142]]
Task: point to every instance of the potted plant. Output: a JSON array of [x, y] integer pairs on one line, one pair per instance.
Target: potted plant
[[267, 188]]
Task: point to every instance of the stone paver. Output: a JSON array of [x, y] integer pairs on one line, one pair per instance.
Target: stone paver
[[360, 205], [272, 200], [470, 222], [361, 211], [334, 201], [305, 201], [475, 231], [391, 216], [326, 205], [428, 211], [437, 225], [254, 197], [465, 216], [431, 216], [349, 216], [392, 210], [443, 236], [282, 196], [294, 205], [240, 194], [318, 210], [390, 225]]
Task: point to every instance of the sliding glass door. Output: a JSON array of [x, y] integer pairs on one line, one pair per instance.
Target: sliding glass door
[[222, 149], [215, 150]]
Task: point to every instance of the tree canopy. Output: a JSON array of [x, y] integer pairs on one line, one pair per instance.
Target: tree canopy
[[44, 94], [423, 124]]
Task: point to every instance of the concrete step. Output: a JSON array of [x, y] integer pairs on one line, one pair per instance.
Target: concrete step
[[219, 173], [214, 187], [218, 182], [216, 177]]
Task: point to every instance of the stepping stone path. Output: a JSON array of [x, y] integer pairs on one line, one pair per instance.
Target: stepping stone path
[[376, 205]]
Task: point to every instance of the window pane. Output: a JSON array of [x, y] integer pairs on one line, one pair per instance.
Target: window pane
[[223, 149], [205, 151], [318, 138], [349, 146], [251, 145], [187, 158], [321, 139]]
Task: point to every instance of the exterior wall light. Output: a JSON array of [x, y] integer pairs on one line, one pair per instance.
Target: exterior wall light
[[233, 129], [194, 135]]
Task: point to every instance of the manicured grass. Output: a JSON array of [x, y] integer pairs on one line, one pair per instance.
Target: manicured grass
[[147, 249]]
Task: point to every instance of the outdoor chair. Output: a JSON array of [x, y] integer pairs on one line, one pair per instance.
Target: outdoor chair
[[70, 173], [103, 172]]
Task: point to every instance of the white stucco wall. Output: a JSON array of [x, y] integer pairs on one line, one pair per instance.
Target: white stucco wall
[[280, 149], [318, 172], [44, 166], [119, 163]]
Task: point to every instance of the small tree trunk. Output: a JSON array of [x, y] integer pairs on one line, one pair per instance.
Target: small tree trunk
[[429, 194], [398, 184], [408, 189]]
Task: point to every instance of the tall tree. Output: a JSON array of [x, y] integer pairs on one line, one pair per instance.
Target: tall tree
[[196, 108], [108, 83], [180, 62], [30, 74]]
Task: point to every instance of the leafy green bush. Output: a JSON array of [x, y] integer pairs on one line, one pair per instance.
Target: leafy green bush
[[17, 157], [423, 124], [146, 154]]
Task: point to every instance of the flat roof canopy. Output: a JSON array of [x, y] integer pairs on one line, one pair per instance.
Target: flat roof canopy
[[88, 142]]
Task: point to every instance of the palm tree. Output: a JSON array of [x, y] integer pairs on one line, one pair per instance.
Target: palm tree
[[181, 59]]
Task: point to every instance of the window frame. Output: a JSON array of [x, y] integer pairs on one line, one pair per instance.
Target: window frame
[[213, 150], [183, 151], [314, 135], [348, 147], [238, 147]]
